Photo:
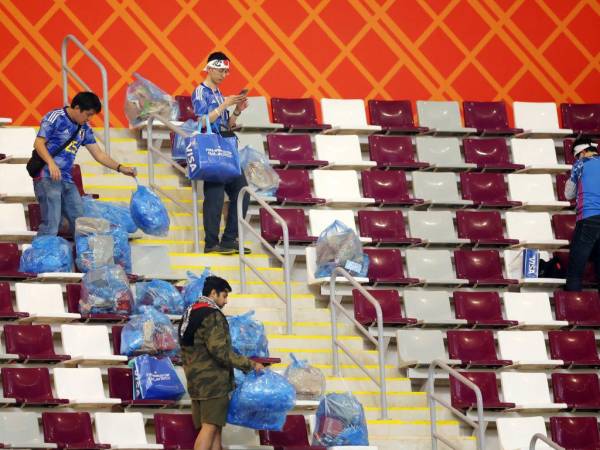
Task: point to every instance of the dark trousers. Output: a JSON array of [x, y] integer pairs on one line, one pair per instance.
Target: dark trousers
[[214, 196], [584, 245]]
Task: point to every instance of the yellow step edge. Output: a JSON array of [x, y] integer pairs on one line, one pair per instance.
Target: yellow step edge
[[366, 378], [115, 175], [398, 393], [252, 255], [303, 324], [307, 296], [116, 139], [311, 337], [132, 188], [94, 163], [127, 199], [316, 350], [411, 422], [401, 408], [343, 366], [193, 266]]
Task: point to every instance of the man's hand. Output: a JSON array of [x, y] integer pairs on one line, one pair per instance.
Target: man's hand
[[234, 100], [54, 171], [129, 171], [258, 367], [241, 106]]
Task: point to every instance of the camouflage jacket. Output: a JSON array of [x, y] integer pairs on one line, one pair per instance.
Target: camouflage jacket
[[208, 357]]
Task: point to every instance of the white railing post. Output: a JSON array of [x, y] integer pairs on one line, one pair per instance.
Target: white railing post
[[540, 437]]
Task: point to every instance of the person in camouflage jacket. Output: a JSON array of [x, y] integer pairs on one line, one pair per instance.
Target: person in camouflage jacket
[[209, 360]]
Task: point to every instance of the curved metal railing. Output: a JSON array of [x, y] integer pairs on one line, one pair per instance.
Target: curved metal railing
[[540, 437]]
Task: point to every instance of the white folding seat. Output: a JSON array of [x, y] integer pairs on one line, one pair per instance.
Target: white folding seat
[[442, 118], [5, 121], [525, 349], [434, 227], [15, 183], [339, 187], [43, 302], [122, 430], [256, 116], [538, 119], [152, 261], [441, 153], [513, 266], [438, 188], [537, 155], [528, 391], [254, 140], [432, 267], [532, 229], [341, 151], [346, 116], [515, 433], [185, 398], [12, 223], [311, 268], [430, 308], [21, 430], [17, 143], [82, 387], [319, 219], [535, 191], [421, 347], [531, 309], [88, 344]]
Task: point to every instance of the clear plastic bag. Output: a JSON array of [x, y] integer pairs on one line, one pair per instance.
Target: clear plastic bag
[[192, 291], [261, 177], [105, 290], [159, 294], [144, 98], [47, 254], [340, 421], [339, 246], [262, 401], [122, 249], [117, 214], [149, 332], [308, 381], [248, 336], [148, 212], [93, 243]]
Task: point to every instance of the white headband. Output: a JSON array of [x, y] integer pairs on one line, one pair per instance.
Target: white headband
[[217, 64], [581, 147]]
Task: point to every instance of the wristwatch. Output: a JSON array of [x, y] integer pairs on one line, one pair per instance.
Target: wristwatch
[[236, 114]]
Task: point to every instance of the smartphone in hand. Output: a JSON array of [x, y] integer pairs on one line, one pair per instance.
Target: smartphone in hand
[[243, 92]]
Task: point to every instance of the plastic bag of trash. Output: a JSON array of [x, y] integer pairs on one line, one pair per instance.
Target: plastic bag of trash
[[148, 212], [248, 336], [47, 254], [339, 246], [161, 295], [261, 177], [340, 421], [308, 381], [105, 290], [144, 98], [149, 332]]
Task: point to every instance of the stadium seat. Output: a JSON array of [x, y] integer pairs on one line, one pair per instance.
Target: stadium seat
[[420, 347], [341, 152], [346, 116], [78, 181], [256, 117], [327, 185], [394, 152], [292, 150], [486, 190], [21, 430], [10, 257], [7, 311], [120, 385], [320, 219], [73, 297], [272, 232], [526, 349], [294, 435], [432, 267], [294, 188], [582, 118], [82, 387], [534, 191], [489, 154], [386, 267], [439, 188], [29, 386], [564, 226], [31, 343], [311, 268], [384, 227], [580, 309], [434, 227], [186, 108], [482, 228], [442, 118], [575, 432], [590, 273], [88, 344], [513, 267], [115, 337], [387, 188], [516, 432], [463, 397], [575, 348], [490, 118], [16, 143], [480, 308], [474, 348], [70, 430], [480, 267], [577, 390], [35, 220], [528, 391], [394, 116], [430, 308], [538, 120], [175, 431], [12, 223], [441, 153], [537, 155], [296, 114], [561, 180], [15, 183], [388, 299], [43, 302], [252, 140], [122, 430], [568, 150], [531, 310], [532, 229]]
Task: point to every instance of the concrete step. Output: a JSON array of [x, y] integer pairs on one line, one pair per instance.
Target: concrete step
[[307, 328], [278, 315], [300, 301], [411, 428], [349, 370], [228, 271], [182, 194], [211, 259], [160, 168], [258, 287], [420, 443], [115, 179], [324, 355], [364, 383], [407, 413], [395, 399], [312, 342]]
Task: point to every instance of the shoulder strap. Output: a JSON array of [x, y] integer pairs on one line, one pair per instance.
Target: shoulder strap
[[64, 145]]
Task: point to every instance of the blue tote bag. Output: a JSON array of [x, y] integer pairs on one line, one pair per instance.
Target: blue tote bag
[[155, 379], [212, 157]]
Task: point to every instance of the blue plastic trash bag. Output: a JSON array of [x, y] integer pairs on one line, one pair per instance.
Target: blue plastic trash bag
[[148, 212], [149, 332], [262, 401], [339, 246], [105, 291], [261, 177], [308, 381], [248, 336], [93, 243], [121, 248], [192, 291], [159, 294], [47, 254], [180, 142], [144, 98], [155, 379], [340, 421], [238, 377], [117, 214]]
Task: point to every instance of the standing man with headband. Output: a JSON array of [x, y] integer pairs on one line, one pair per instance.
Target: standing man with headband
[[584, 186], [207, 99]]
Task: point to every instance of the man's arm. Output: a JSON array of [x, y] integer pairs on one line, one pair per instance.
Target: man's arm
[[40, 147], [107, 161], [571, 184], [215, 335]]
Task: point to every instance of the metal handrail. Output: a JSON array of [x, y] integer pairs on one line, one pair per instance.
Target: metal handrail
[[541, 437], [66, 71], [433, 398], [243, 225], [334, 306]]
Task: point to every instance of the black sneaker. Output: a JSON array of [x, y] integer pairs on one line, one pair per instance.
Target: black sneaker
[[219, 250], [235, 247]]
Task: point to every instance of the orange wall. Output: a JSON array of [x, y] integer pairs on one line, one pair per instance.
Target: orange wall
[[417, 49]]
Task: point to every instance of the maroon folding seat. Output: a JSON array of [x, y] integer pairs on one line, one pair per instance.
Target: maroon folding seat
[[294, 187], [35, 220], [29, 386], [389, 300], [480, 267], [386, 266], [582, 118], [489, 154], [568, 150], [580, 309], [572, 433], [482, 228], [70, 430], [120, 385], [577, 390], [115, 337], [480, 309], [78, 180], [271, 230], [394, 116], [186, 108], [489, 118], [474, 348], [292, 150], [561, 180], [175, 431], [575, 348], [10, 257], [463, 397], [589, 274], [387, 187], [32, 343], [296, 114], [384, 227], [394, 152], [6, 308], [294, 435], [73, 296], [564, 226], [486, 190]]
